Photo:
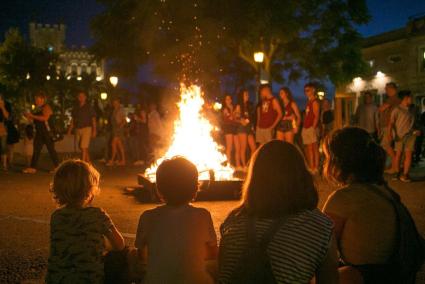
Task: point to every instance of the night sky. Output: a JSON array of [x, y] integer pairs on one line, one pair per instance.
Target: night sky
[[76, 14]]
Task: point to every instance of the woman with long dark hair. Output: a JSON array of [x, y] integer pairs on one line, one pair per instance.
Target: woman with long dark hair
[[291, 119], [229, 127], [279, 213], [365, 221], [245, 116]]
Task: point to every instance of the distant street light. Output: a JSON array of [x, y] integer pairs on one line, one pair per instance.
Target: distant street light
[[98, 78], [28, 76], [104, 96], [113, 80], [259, 57], [48, 77], [79, 78]]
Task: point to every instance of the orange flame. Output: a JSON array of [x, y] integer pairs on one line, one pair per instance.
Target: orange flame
[[192, 139]]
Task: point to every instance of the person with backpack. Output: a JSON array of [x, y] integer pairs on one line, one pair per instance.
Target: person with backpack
[[277, 234], [377, 238]]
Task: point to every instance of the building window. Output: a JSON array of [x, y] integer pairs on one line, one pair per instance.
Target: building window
[[394, 59]]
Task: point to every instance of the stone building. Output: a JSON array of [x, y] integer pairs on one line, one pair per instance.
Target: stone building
[[73, 61]]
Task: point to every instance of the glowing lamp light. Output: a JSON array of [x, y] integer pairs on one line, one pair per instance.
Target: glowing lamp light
[[98, 78], [113, 80], [28, 76], [259, 57], [79, 78], [380, 75], [264, 81], [217, 106], [321, 95], [32, 107], [48, 77], [103, 96], [68, 77], [127, 119]]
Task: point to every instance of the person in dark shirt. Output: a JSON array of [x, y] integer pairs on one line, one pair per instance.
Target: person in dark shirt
[[84, 122]]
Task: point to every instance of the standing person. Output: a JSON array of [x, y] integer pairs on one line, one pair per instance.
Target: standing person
[[155, 126], [384, 114], [142, 121], [118, 122], [402, 120], [310, 129], [420, 139], [77, 229], [269, 114], [5, 111], [326, 118], [291, 120], [84, 122], [366, 114], [245, 115], [229, 126], [277, 234], [40, 117], [177, 241]]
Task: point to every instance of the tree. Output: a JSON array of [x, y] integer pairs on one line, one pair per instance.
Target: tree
[[23, 68], [204, 38]]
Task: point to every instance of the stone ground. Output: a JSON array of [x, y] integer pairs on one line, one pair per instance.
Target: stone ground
[[26, 205]]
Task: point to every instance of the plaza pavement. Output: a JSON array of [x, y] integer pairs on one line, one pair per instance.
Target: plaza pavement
[[26, 205]]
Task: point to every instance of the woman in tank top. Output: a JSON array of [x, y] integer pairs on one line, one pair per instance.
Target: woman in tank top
[[229, 127], [245, 117], [40, 117], [291, 119]]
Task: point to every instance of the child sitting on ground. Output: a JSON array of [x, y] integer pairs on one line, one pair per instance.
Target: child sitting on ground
[[176, 240], [78, 230]]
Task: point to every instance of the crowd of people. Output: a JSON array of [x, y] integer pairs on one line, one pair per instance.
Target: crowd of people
[[274, 118], [363, 234], [398, 125]]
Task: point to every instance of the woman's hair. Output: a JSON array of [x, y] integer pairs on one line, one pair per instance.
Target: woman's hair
[[353, 156], [75, 183], [278, 182], [177, 181], [40, 94], [288, 93], [240, 98]]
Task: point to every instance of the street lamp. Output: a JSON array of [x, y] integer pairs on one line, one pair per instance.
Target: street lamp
[[104, 96], [48, 77], [259, 57], [98, 78], [113, 80]]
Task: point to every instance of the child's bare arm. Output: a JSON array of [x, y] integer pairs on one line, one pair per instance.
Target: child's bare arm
[[115, 238]]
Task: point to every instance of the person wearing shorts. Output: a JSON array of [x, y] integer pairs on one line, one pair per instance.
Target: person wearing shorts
[[402, 121], [309, 132], [269, 114], [384, 114], [84, 122], [289, 125], [229, 127]]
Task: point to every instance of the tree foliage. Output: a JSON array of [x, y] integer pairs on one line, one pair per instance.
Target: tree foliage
[[207, 39]]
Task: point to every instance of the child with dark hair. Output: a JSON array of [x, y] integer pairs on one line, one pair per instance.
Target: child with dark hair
[[176, 240], [402, 122], [78, 230]]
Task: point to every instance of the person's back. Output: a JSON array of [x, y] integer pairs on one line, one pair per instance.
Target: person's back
[[370, 229], [176, 238], [77, 245], [77, 230], [296, 251]]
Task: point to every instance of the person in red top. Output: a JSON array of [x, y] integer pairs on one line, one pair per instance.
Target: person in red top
[[291, 119], [310, 129], [269, 114]]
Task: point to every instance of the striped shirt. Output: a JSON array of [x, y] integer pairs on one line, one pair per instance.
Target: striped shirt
[[296, 251]]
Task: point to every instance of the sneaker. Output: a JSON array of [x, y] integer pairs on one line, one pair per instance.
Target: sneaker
[[29, 171], [405, 178]]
